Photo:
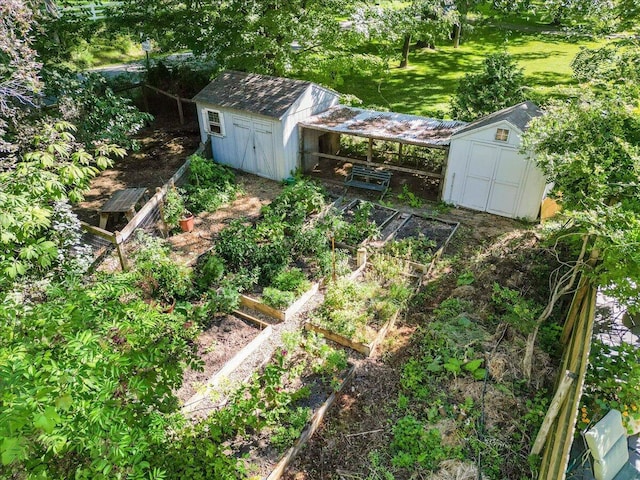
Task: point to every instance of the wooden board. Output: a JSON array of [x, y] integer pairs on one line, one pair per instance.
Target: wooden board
[[344, 341], [281, 316], [308, 432], [255, 304]]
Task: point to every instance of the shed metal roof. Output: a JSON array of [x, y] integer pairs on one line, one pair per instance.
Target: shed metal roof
[[397, 127], [518, 115], [261, 94]]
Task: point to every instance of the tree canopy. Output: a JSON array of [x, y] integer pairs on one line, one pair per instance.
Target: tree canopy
[[499, 85]]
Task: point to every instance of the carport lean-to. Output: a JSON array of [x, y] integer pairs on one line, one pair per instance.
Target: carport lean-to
[[321, 139]]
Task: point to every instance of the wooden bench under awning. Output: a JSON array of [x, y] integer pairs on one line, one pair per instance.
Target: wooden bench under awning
[[122, 201]]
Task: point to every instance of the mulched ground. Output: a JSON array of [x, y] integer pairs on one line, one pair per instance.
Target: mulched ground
[[216, 346]]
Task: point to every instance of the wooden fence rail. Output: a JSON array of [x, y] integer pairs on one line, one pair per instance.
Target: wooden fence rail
[[559, 425]]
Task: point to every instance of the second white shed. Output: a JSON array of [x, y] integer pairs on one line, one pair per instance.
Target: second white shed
[[486, 170], [252, 120]]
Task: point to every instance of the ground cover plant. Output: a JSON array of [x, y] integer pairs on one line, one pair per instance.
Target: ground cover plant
[[357, 308], [261, 419]]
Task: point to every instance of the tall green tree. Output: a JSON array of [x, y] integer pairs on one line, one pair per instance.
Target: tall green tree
[[589, 147], [265, 36], [499, 85]]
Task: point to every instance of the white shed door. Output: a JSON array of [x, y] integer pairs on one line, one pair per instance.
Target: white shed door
[[263, 142], [254, 146], [507, 184], [494, 179], [480, 171]]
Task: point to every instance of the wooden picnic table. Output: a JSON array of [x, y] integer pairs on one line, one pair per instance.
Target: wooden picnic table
[[122, 201]]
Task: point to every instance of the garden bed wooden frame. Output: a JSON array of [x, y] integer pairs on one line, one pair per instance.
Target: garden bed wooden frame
[[231, 364], [280, 315], [425, 269], [366, 241], [311, 428]]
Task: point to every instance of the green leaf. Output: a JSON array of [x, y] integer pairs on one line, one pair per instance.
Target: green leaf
[[46, 420], [473, 365], [64, 402], [12, 450], [479, 374]]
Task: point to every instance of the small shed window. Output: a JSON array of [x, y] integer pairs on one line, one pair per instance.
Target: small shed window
[[213, 119], [502, 134]]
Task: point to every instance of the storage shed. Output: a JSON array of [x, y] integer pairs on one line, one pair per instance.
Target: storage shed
[[252, 120], [486, 171]]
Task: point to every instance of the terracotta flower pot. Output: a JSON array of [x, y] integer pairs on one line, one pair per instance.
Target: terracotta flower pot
[[186, 223]]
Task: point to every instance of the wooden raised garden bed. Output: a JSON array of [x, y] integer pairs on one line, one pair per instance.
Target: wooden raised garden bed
[[279, 315], [380, 215], [373, 305], [222, 348], [311, 428], [438, 231]]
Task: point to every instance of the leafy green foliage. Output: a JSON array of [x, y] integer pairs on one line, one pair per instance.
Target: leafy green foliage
[[612, 381], [292, 280], [519, 312], [210, 185], [174, 208], [415, 444], [358, 227], [589, 148], [498, 86], [410, 198], [277, 298], [101, 116], [267, 404], [209, 271], [418, 249], [53, 169], [87, 379], [159, 276]]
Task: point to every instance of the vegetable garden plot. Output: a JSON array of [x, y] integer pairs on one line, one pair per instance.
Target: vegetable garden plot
[[358, 312], [267, 419], [363, 221], [221, 348], [420, 240]]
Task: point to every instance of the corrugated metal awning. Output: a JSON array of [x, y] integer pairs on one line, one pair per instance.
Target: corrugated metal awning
[[395, 127]]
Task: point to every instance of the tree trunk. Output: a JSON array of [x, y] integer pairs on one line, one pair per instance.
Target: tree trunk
[[405, 51], [457, 29]]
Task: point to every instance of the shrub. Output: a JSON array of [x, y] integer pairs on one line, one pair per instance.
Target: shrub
[[209, 272], [210, 185], [296, 202], [292, 280], [158, 275], [277, 298]]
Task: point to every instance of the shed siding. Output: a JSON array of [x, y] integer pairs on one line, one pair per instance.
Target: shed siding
[[314, 100], [481, 169]]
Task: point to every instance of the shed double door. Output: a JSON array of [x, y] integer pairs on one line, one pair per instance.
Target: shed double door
[[255, 147], [494, 179]]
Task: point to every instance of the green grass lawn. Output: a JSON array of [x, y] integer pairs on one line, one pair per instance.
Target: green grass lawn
[[424, 88]]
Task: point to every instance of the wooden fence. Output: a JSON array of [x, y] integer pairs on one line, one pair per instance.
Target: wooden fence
[[557, 431], [148, 216]]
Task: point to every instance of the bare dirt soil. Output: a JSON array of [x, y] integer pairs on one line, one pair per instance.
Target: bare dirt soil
[[164, 147], [216, 346]]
